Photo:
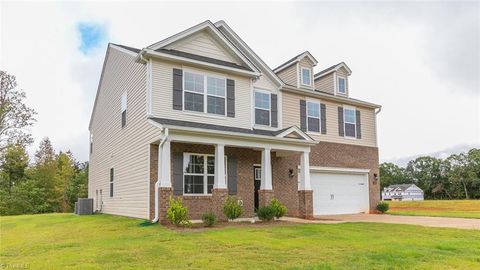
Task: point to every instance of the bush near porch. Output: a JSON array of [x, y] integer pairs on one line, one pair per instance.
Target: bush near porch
[[66, 241]]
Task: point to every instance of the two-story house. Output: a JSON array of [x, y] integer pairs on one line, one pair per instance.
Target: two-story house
[[200, 116]]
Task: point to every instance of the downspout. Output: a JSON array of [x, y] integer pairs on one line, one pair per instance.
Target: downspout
[[157, 184]]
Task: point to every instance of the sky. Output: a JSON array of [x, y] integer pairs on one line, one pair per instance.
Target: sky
[[419, 60]]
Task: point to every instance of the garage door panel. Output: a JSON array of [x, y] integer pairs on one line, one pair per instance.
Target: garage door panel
[[339, 193]]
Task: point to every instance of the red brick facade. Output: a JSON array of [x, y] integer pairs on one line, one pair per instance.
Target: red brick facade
[[284, 177]]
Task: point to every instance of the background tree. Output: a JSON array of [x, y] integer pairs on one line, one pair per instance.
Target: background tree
[[15, 116], [392, 174], [44, 173], [13, 163], [456, 177]]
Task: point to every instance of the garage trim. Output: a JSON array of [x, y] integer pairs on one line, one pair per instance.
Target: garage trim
[[339, 170]]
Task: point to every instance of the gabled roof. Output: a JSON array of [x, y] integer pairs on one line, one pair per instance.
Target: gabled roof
[[212, 29], [248, 51], [332, 69], [296, 59], [135, 50], [401, 187]]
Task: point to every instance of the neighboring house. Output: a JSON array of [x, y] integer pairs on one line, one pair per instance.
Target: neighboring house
[[405, 192], [200, 116]]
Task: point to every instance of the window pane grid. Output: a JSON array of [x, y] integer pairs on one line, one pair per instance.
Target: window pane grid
[[350, 122], [305, 76], [199, 173], [204, 93]]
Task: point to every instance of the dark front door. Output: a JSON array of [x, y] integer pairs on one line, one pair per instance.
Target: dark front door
[[257, 176]]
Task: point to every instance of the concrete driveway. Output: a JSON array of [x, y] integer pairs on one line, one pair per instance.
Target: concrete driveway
[[443, 222]]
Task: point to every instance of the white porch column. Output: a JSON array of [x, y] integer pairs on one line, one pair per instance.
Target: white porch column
[[164, 164], [266, 183], [219, 181], [304, 172]]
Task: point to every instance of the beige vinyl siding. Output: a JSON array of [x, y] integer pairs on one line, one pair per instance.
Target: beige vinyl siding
[[326, 83], [162, 97], [291, 117], [289, 75], [124, 149], [203, 44], [264, 83], [304, 63], [342, 72]]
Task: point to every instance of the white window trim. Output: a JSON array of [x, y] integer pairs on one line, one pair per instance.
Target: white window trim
[[338, 85], [301, 76], [316, 101], [205, 174], [259, 169], [205, 93], [345, 122], [269, 107]]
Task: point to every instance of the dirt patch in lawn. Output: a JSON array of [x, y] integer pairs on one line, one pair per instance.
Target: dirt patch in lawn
[[200, 227]]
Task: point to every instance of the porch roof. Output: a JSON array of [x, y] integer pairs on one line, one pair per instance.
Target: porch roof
[[280, 134]]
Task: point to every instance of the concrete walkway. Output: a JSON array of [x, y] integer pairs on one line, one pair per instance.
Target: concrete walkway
[[442, 222]]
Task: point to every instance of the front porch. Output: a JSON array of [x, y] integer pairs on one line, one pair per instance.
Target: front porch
[[191, 167]]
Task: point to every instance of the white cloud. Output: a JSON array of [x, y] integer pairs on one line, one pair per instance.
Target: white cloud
[[417, 60]]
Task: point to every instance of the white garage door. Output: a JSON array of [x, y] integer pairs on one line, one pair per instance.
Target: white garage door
[[339, 193]]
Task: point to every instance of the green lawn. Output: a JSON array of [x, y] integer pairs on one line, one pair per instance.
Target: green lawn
[[454, 208], [65, 241]]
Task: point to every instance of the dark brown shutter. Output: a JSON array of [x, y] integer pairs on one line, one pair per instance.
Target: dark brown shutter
[[232, 175], [177, 89], [341, 127], [303, 115], [274, 110], [177, 180], [359, 125], [230, 98], [323, 118]]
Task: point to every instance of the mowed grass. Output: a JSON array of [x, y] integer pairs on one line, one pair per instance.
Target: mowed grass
[[65, 241], [454, 208]]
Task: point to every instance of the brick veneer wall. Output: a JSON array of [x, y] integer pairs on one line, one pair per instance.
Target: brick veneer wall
[[197, 205], [324, 154], [350, 156], [285, 187]]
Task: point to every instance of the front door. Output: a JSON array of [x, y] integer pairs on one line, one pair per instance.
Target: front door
[[257, 177]]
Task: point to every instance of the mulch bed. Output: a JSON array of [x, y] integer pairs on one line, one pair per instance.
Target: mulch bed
[[200, 227]]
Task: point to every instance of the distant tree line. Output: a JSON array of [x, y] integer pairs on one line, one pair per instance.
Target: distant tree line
[[455, 177], [52, 182]]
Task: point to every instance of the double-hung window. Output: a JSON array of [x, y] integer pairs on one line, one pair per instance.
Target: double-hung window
[[306, 76], [342, 85], [124, 109], [313, 116], [203, 93], [199, 173], [350, 122], [262, 108]]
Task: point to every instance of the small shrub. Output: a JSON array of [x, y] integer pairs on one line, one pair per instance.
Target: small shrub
[[383, 207], [279, 210], [266, 213], [177, 213], [209, 219], [232, 208]]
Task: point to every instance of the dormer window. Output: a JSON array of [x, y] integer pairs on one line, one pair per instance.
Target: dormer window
[[342, 86], [306, 76]]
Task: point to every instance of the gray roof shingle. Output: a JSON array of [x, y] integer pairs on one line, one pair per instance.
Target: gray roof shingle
[[180, 123], [203, 59]]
